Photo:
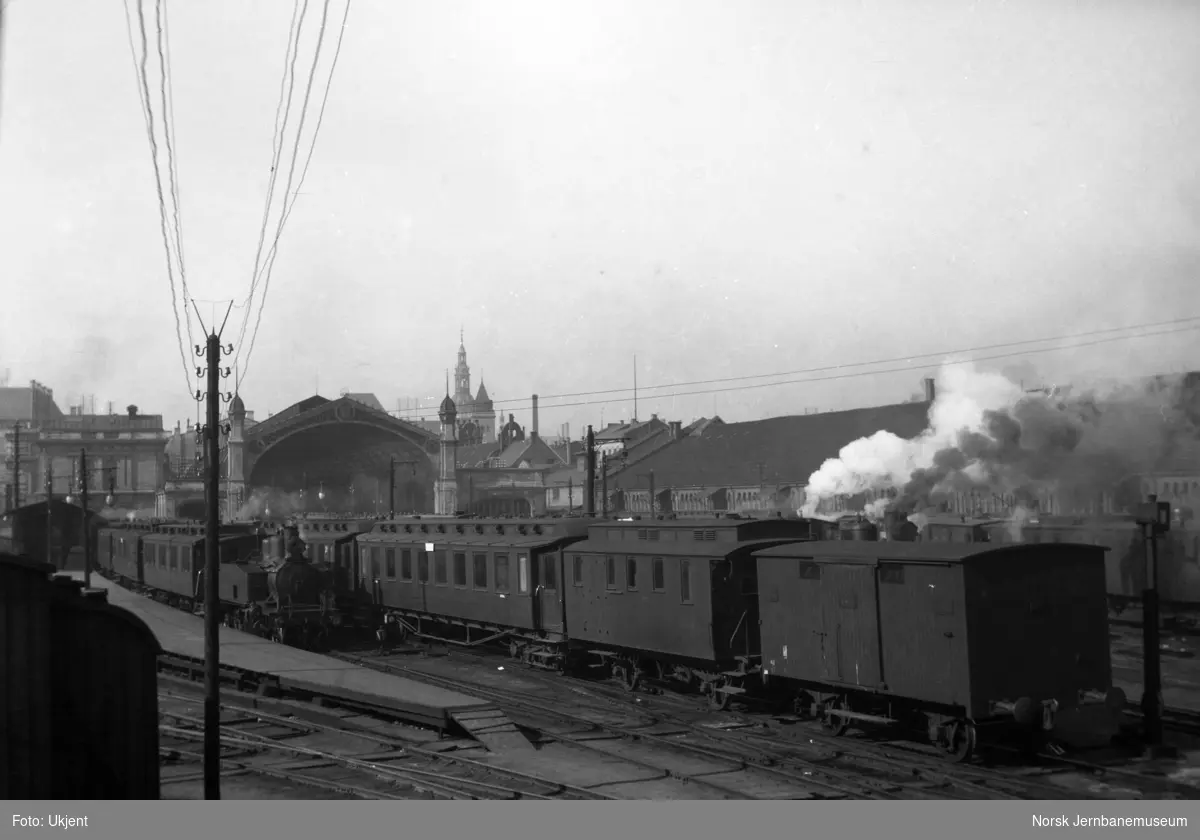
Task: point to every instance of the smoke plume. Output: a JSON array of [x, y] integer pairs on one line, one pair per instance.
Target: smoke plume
[[986, 433], [114, 514], [270, 502]]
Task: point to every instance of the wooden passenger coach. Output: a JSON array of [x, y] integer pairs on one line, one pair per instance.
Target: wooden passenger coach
[[487, 578], [674, 598], [962, 633]]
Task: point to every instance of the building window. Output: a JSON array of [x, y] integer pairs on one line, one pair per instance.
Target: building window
[[659, 582], [501, 573], [685, 581], [439, 568], [631, 570], [460, 568], [423, 566], [577, 568], [522, 574], [405, 564], [479, 562], [390, 563], [550, 571], [610, 573], [235, 592]]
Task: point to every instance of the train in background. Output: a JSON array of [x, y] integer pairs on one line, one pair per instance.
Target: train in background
[[266, 585]]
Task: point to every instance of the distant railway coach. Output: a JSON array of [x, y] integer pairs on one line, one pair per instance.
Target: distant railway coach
[[961, 634], [673, 598], [497, 577]]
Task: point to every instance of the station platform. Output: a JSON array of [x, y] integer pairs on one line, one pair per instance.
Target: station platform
[[292, 669]]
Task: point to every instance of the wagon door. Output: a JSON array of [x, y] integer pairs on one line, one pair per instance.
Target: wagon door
[[548, 607], [850, 624], [343, 575]]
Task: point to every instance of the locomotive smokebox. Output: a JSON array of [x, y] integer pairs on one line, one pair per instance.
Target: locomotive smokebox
[[899, 528], [858, 529]]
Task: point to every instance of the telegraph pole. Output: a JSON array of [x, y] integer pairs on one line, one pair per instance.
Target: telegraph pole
[[49, 515], [83, 499], [392, 488], [212, 640], [1155, 519], [604, 486], [590, 465], [16, 496]]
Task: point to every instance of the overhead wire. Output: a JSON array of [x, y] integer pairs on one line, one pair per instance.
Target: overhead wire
[[289, 205], [284, 105], [142, 80], [1176, 326], [168, 103]]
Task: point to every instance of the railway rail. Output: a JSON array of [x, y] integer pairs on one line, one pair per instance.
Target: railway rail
[[825, 770], [759, 740], [337, 758]]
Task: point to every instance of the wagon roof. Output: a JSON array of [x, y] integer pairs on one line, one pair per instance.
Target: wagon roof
[[867, 551], [159, 536], [442, 542], [682, 549]]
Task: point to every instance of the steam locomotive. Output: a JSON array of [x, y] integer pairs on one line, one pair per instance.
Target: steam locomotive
[[266, 585]]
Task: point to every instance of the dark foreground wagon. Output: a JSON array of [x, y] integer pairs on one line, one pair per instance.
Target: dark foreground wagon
[[960, 634], [80, 710]]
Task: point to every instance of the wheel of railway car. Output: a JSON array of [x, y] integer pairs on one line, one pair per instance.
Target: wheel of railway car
[[831, 721], [718, 700], [631, 677], [960, 740], [514, 650]]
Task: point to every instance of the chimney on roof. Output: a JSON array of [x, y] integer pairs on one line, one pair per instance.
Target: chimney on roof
[[676, 429], [930, 390], [534, 431]]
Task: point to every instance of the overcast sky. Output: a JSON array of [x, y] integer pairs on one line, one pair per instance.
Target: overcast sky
[[722, 189]]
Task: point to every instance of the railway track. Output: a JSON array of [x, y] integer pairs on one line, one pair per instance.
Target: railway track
[[337, 759], [666, 736], [759, 740]]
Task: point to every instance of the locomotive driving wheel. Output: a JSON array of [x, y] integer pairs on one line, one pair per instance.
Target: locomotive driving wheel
[[831, 721], [960, 740]]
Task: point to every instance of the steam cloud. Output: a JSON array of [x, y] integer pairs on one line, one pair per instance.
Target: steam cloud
[[985, 432], [280, 503]]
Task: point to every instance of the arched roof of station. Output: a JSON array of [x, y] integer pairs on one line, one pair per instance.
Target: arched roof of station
[[318, 411]]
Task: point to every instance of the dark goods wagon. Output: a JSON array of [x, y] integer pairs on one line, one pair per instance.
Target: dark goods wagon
[[80, 702], [673, 599], [953, 637]]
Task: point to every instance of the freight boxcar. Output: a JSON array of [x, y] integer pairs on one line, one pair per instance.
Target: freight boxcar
[[677, 599], [959, 634], [449, 577], [81, 716]]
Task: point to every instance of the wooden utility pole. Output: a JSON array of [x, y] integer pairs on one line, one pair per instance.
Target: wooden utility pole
[[212, 594], [83, 500], [1155, 519], [16, 438], [589, 500]]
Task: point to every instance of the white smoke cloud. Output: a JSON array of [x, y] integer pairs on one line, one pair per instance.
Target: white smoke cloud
[[885, 461], [986, 434], [268, 501]]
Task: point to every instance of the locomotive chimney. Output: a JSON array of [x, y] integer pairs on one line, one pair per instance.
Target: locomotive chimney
[[930, 390], [533, 432]]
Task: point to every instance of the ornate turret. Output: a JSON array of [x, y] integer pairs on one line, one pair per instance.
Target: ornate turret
[[446, 485]]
